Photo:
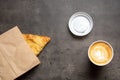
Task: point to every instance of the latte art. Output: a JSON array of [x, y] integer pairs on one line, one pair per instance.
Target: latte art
[[100, 53]]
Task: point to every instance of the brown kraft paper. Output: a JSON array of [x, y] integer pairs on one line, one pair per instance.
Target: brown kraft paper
[[16, 57]]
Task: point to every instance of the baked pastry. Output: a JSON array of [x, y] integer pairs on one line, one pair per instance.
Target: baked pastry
[[36, 42]]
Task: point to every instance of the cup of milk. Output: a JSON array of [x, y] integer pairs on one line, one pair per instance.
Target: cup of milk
[[80, 23]]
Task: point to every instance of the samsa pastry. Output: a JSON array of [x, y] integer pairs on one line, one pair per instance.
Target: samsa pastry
[[36, 42]]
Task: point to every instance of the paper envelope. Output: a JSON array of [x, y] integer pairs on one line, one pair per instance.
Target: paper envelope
[[16, 57]]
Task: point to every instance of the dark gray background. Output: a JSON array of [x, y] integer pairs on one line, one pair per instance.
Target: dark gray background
[[65, 57]]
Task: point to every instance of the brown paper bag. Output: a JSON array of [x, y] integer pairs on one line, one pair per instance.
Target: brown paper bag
[[16, 57]]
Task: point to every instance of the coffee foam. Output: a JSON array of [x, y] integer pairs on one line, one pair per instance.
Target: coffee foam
[[100, 53]]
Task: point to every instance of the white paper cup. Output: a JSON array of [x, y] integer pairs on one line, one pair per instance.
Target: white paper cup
[[108, 60], [80, 24]]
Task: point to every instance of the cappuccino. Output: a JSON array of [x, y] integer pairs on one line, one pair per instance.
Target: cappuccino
[[100, 53]]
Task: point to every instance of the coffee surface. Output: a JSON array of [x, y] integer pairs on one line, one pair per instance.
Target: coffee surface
[[100, 53]]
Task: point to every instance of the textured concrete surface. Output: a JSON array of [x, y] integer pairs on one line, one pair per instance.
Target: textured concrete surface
[[65, 57]]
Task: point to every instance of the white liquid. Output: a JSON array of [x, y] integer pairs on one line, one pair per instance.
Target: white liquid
[[99, 55], [80, 24]]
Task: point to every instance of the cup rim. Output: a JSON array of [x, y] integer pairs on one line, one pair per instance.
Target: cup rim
[[109, 46]]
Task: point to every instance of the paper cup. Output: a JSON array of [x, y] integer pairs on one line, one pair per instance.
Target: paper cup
[[99, 55]]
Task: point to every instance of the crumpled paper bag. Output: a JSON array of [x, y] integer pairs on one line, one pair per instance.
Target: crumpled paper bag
[[16, 57]]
